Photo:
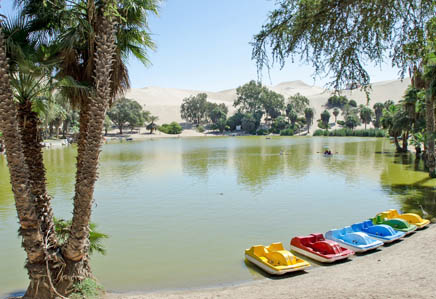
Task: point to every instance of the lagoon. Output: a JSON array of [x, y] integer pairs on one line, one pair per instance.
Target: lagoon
[[181, 211]]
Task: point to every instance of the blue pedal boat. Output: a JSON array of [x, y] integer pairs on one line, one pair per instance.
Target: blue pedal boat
[[356, 241], [381, 232]]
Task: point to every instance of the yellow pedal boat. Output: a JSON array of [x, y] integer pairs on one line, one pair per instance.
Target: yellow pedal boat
[[412, 218], [275, 259]]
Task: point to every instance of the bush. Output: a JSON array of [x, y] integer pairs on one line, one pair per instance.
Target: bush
[[352, 103], [172, 128], [261, 131], [87, 288], [337, 101], [341, 122], [287, 132], [201, 129]]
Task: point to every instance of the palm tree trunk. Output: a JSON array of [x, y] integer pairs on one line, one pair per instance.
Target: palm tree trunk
[[430, 127], [32, 150], [33, 240], [76, 247]]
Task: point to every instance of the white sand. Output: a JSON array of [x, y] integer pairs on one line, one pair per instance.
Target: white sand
[[165, 102], [402, 270]]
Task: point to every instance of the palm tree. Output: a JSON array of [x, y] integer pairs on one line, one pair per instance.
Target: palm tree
[[365, 115], [308, 113], [152, 126], [30, 230], [378, 111], [336, 113], [86, 46]]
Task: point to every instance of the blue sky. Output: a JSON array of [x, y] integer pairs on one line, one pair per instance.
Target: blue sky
[[204, 45]]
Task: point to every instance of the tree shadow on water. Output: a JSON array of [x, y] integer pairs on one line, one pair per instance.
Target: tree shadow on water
[[415, 198]]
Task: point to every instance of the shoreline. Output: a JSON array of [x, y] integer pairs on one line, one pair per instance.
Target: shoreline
[[404, 269]]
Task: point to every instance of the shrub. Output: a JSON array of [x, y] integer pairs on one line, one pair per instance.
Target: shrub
[[261, 131], [287, 132], [341, 122], [87, 288], [349, 132], [201, 129], [172, 128]]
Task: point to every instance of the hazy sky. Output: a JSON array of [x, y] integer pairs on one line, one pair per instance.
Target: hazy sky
[[204, 45]]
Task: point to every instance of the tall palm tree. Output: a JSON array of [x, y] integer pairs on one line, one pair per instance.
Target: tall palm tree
[[30, 228], [308, 114], [89, 57]]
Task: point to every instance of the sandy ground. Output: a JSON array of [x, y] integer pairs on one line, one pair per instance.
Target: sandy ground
[[406, 269]]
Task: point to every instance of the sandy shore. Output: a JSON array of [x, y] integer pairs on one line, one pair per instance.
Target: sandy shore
[[406, 269]]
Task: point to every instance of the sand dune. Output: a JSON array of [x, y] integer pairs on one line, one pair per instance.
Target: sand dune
[[165, 102]]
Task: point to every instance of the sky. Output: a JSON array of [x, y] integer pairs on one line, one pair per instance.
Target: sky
[[204, 45]]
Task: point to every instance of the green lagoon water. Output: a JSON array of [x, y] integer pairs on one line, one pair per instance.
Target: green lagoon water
[[181, 211]]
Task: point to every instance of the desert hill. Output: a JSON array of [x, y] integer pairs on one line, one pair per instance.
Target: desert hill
[[165, 102]]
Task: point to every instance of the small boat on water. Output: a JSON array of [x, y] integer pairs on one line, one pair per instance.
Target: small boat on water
[[275, 259], [412, 218], [381, 232], [316, 247], [356, 241], [395, 223]]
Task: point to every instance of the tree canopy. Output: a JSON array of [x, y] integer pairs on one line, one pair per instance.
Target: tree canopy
[[128, 112], [339, 37]]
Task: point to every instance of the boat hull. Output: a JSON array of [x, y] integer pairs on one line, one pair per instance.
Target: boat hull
[[270, 270], [317, 257]]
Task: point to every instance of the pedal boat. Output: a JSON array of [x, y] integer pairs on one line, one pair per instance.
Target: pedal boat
[[356, 241], [275, 259], [412, 218], [381, 232], [396, 223], [316, 247]]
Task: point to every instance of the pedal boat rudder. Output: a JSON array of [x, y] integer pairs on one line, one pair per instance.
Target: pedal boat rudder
[[316, 247], [275, 259], [356, 241], [395, 223], [412, 218], [381, 232]]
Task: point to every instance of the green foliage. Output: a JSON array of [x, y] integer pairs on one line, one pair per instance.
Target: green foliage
[[341, 122], [352, 121], [279, 124], [127, 112], [87, 289], [272, 103], [249, 97], [194, 108], [298, 103], [336, 113], [365, 115], [62, 231], [325, 117], [201, 129], [341, 38], [352, 103], [308, 114], [216, 112], [350, 132], [235, 120], [336, 101], [287, 132], [378, 112], [172, 128], [261, 131], [249, 123]]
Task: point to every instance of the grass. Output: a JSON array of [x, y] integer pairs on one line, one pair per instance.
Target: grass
[[350, 132]]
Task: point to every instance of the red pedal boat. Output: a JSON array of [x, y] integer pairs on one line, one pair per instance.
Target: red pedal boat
[[320, 249]]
